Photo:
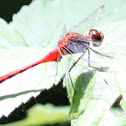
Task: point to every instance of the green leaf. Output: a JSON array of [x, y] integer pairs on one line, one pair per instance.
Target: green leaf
[[35, 30], [44, 115], [96, 90], [21, 45]]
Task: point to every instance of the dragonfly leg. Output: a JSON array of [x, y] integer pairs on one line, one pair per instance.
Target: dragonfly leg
[[99, 53], [89, 63], [72, 82], [56, 68], [72, 68], [76, 62], [56, 73]]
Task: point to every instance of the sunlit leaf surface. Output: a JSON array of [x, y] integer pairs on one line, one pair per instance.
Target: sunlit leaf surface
[[35, 30]]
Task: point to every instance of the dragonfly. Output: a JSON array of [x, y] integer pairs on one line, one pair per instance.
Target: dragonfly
[[71, 43]]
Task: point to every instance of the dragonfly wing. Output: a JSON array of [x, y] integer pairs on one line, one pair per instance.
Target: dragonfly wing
[[63, 32], [85, 25]]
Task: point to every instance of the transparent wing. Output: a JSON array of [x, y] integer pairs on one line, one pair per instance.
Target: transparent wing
[[63, 32], [90, 86], [85, 25]]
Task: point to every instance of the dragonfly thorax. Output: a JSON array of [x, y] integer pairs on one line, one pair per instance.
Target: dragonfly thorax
[[74, 43]]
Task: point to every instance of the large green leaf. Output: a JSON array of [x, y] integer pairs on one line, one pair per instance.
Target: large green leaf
[[21, 46], [44, 115], [26, 39], [96, 90], [35, 30]]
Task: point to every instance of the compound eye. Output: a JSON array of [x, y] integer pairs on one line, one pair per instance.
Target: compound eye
[[96, 36], [102, 36]]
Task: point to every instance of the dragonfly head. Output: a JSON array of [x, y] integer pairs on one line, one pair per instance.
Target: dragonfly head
[[96, 37]]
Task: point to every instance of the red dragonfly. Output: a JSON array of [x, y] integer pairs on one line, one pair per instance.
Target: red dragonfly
[[71, 43]]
